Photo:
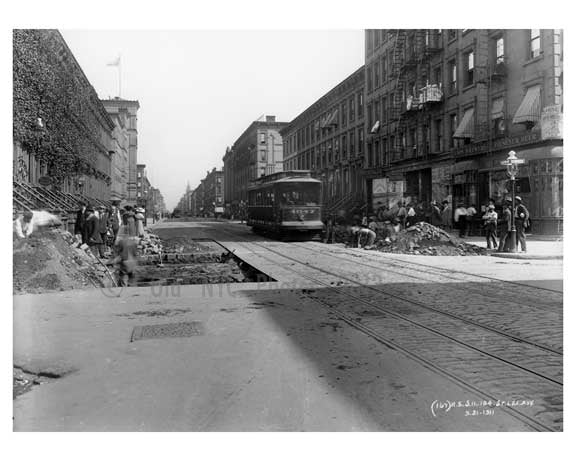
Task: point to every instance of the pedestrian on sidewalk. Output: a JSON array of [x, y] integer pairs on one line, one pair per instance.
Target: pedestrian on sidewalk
[[446, 215], [435, 214], [470, 214], [460, 215], [505, 226], [129, 221], [80, 224], [114, 221], [103, 227], [490, 219], [94, 239], [139, 219], [521, 223]]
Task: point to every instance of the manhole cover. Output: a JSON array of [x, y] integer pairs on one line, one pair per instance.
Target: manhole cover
[[167, 330]]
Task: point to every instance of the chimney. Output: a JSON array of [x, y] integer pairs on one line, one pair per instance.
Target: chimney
[[270, 118]]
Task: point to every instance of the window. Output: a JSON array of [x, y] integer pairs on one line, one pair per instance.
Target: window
[[499, 50], [360, 140], [451, 34], [469, 73], [262, 138], [438, 135], [369, 156], [352, 146], [360, 103], [534, 43], [376, 38], [383, 64], [343, 115], [351, 108], [262, 155], [412, 139], [369, 82], [384, 110], [438, 75], [453, 126], [376, 75], [344, 146], [377, 112], [453, 76], [497, 116]]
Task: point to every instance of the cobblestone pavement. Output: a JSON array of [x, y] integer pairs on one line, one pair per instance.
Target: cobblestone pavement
[[495, 337]]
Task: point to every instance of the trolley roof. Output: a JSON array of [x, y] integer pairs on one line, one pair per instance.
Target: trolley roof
[[282, 177]]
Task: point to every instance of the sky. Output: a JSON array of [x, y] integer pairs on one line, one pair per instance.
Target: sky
[[199, 90]]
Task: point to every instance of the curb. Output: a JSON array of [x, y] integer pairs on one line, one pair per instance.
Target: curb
[[525, 256]]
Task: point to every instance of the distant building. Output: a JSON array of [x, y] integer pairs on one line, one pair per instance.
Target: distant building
[[128, 110], [257, 152], [328, 138], [213, 199], [445, 107], [120, 149], [142, 185]]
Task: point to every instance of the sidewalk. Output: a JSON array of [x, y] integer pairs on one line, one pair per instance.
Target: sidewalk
[[536, 248]]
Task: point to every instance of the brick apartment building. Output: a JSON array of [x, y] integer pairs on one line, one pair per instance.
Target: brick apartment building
[[445, 107], [258, 151], [328, 138]]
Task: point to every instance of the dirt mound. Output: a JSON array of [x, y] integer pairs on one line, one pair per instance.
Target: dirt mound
[[51, 260], [426, 239]]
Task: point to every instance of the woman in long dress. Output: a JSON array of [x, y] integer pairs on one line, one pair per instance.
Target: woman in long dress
[[139, 217]]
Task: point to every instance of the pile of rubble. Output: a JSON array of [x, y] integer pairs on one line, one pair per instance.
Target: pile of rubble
[[54, 260], [426, 239], [150, 244]]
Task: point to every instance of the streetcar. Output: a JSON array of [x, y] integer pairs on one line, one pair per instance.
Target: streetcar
[[286, 204]]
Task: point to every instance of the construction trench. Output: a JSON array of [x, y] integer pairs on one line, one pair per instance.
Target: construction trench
[[192, 261]]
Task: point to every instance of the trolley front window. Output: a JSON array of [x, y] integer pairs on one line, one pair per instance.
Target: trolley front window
[[300, 194]]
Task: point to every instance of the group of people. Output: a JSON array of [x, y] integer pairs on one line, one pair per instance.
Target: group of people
[[99, 227], [388, 221], [503, 225]]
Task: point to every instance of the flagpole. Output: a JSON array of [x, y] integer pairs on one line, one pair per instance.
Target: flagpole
[[120, 76]]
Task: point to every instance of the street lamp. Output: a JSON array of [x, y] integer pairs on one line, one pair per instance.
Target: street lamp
[[511, 164]]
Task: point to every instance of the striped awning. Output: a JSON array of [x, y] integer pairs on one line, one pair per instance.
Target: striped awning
[[466, 127], [333, 119], [497, 109], [529, 110]]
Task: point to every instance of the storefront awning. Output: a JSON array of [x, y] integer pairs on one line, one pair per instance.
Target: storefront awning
[[497, 109], [375, 128], [529, 110], [466, 127]]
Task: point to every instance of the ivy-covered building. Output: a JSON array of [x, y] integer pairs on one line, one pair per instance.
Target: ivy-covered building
[[63, 135]]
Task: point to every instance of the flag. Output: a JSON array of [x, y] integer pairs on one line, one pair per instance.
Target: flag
[[115, 63]]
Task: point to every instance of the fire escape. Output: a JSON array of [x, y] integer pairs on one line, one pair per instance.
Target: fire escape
[[413, 95]]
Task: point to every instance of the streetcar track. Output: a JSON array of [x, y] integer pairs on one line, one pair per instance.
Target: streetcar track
[[437, 273], [433, 330], [422, 305], [430, 364]]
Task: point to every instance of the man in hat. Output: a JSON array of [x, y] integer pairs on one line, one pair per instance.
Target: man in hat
[[94, 240], [490, 219], [521, 223], [102, 228], [80, 224], [505, 226]]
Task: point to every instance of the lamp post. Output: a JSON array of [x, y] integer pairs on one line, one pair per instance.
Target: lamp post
[[511, 164]]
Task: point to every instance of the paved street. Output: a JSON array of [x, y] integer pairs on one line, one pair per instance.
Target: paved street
[[344, 340]]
